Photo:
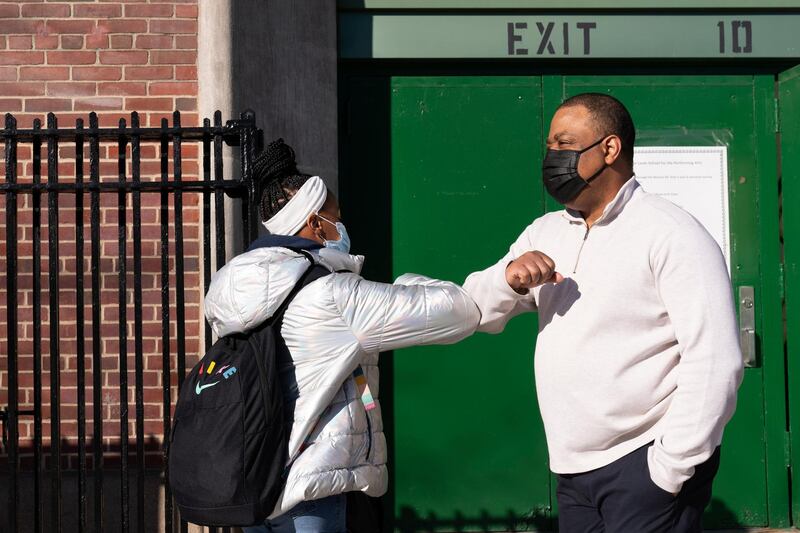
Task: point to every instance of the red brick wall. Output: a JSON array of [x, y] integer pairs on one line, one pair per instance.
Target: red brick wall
[[111, 57]]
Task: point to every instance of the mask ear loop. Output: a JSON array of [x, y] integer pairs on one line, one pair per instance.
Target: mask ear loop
[[310, 225], [332, 223], [605, 165], [601, 139]]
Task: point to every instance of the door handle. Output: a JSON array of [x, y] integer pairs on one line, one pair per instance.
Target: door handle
[[747, 325]]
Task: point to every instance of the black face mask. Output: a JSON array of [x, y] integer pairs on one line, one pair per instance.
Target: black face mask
[[560, 173]]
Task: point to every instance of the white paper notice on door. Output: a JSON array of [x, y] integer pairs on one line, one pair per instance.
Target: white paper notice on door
[[693, 177]]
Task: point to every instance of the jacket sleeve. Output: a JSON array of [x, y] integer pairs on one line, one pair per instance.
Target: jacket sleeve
[[692, 281], [496, 300], [414, 310]]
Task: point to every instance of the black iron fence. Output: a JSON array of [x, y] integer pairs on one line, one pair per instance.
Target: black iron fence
[[43, 509]]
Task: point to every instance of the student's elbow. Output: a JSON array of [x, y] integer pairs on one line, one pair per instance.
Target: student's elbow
[[453, 315]]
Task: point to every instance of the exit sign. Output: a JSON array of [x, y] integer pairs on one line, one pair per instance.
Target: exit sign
[[553, 36]]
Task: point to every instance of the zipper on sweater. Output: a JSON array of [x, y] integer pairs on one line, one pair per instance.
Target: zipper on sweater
[[577, 259]]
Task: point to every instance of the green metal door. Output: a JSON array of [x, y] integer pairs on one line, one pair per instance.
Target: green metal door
[[468, 441], [789, 94], [465, 181]]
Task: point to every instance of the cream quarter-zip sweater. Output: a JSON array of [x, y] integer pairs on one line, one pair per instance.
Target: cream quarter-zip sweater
[[639, 343]]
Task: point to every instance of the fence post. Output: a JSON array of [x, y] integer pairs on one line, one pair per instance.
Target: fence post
[[247, 137], [11, 288]]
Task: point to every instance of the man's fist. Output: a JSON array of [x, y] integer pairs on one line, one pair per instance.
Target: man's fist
[[531, 270]]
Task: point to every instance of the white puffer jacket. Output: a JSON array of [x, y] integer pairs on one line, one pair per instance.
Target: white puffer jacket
[[333, 325]]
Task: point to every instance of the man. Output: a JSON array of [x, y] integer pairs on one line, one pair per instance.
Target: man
[[637, 358]]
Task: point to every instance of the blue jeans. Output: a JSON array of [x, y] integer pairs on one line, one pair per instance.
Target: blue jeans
[[327, 515]]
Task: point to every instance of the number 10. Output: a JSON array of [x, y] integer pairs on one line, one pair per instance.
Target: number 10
[[736, 27]]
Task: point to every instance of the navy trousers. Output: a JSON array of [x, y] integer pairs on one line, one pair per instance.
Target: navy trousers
[[621, 498]]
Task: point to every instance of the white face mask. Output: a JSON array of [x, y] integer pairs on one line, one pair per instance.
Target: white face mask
[[343, 243]]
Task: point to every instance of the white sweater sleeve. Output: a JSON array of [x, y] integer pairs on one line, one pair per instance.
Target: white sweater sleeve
[[693, 283], [497, 301]]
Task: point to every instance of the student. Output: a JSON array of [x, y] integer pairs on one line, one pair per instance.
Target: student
[[334, 330]]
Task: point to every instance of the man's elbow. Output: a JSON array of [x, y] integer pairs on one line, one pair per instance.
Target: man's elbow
[[736, 370], [733, 364]]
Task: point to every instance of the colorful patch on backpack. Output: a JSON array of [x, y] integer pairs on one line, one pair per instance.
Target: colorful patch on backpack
[[227, 374]]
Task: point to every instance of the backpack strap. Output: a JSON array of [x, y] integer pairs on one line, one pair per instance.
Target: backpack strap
[[314, 272]]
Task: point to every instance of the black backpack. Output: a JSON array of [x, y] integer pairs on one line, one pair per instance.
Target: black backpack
[[229, 444]]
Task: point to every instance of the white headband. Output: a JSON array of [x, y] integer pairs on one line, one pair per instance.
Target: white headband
[[293, 215]]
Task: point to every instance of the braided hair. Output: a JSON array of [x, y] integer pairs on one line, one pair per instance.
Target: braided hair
[[275, 173]]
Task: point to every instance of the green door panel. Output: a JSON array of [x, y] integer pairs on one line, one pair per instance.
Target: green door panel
[[789, 94], [707, 111], [469, 446]]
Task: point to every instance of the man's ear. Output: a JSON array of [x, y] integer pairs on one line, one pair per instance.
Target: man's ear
[[613, 149]]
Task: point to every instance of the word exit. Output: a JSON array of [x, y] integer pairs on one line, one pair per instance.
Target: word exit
[[553, 38]]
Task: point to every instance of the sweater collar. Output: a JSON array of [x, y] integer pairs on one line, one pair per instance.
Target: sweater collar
[[614, 207]]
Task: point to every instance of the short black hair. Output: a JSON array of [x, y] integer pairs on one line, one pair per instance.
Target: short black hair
[[276, 176], [610, 117]]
